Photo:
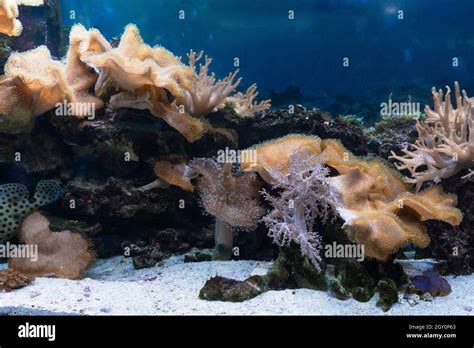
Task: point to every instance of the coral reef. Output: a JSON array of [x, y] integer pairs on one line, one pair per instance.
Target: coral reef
[[11, 279], [133, 75], [15, 203], [378, 210], [445, 145], [305, 195], [9, 24], [62, 254]]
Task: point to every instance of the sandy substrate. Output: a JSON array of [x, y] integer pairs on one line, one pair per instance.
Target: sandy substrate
[[114, 287]]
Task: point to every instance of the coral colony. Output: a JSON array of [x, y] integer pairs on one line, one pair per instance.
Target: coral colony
[[303, 190]]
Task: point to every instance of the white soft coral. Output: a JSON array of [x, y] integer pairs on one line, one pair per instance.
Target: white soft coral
[[305, 195]]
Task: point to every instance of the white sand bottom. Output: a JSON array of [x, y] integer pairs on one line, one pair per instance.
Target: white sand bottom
[[114, 287]]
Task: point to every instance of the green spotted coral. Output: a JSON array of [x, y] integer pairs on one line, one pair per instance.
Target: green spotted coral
[[15, 203]]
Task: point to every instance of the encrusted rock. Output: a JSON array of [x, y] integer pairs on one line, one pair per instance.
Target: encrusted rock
[[230, 290], [388, 294]]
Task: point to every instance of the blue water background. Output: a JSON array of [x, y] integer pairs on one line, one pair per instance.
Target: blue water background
[[405, 57]]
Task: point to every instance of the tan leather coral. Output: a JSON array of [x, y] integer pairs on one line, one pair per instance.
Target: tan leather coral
[[9, 24], [62, 254], [153, 99], [42, 75], [378, 209], [32, 85], [35, 83], [149, 78], [275, 155], [80, 77], [134, 64]]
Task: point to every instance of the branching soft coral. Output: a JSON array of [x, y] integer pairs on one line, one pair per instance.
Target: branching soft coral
[[244, 104], [206, 94], [9, 24], [446, 144], [62, 254], [305, 194]]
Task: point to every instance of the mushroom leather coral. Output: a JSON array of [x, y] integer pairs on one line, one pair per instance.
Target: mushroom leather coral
[[62, 254], [149, 78], [378, 210], [80, 77], [274, 156], [9, 24], [43, 77], [35, 83]]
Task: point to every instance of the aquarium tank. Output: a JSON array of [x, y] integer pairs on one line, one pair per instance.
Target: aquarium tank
[[236, 158]]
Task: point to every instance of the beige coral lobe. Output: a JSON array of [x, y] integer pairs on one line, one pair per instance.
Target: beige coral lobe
[[62, 254], [43, 76], [9, 12]]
